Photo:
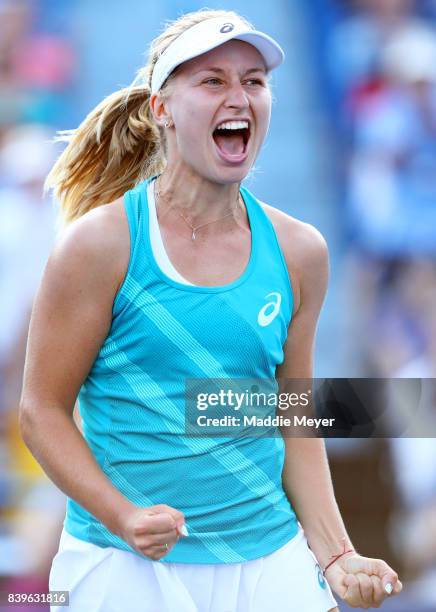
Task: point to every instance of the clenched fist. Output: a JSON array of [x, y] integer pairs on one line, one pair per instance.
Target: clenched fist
[[153, 530], [363, 582]]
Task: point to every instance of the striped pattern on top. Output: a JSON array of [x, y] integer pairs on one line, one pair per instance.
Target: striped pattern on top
[[132, 402]]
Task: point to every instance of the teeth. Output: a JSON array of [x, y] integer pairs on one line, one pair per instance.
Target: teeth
[[233, 125]]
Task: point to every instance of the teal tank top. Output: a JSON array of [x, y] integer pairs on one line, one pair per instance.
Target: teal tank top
[[132, 402]]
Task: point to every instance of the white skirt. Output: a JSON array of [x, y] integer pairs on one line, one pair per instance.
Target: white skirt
[[113, 580]]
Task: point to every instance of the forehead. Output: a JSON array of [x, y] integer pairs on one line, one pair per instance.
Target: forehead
[[234, 53]]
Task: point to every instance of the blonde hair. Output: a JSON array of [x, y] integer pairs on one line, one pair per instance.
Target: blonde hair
[[118, 144]]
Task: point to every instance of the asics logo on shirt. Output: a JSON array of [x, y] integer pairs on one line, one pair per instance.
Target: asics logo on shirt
[[268, 313], [321, 580]]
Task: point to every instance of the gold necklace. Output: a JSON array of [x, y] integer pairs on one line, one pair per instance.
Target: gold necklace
[[195, 228]]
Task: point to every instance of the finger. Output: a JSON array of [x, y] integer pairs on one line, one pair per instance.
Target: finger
[[352, 595], [156, 550], [155, 523], [162, 539], [387, 575], [365, 588], [378, 594], [155, 553], [390, 582], [393, 590], [163, 548], [160, 550], [182, 530], [178, 516]]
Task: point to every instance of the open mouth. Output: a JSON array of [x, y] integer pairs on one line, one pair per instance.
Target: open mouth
[[232, 143]]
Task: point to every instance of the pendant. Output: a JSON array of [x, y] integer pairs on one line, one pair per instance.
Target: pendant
[[193, 234]]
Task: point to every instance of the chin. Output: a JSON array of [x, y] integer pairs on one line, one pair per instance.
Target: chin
[[228, 173], [229, 176], [222, 174]]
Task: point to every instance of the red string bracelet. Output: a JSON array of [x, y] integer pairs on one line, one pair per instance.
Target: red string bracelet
[[337, 557]]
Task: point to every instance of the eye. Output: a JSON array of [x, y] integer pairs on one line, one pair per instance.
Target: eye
[[254, 82], [212, 81]]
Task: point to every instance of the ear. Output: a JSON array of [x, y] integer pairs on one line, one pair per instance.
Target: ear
[[159, 110]]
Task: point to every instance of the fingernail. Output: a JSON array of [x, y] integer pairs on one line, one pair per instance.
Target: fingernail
[[388, 588], [183, 530]]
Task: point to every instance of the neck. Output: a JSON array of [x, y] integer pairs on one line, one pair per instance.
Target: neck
[[197, 197]]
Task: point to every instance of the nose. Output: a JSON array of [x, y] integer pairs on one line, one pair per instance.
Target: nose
[[236, 96]]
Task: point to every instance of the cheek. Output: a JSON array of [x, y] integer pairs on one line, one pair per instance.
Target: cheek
[[264, 112], [262, 130], [192, 124]]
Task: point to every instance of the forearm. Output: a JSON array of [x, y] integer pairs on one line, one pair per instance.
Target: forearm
[[56, 443], [308, 486]]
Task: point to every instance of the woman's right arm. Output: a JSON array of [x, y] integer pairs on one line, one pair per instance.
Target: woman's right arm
[[70, 320]]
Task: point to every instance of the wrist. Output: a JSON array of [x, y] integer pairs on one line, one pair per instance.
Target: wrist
[[120, 509], [342, 555], [326, 543]]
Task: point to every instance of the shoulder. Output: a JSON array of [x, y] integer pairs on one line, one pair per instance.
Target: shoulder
[[98, 243], [96, 222], [305, 251]]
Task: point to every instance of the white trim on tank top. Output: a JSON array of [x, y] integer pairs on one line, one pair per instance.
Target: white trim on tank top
[[157, 245]]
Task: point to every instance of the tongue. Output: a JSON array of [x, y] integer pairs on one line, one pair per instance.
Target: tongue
[[233, 144]]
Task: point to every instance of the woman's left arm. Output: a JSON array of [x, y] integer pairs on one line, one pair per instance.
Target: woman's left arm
[[360, 581]]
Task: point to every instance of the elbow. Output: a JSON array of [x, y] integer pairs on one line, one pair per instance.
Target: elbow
[[37, 417], [24, 421]]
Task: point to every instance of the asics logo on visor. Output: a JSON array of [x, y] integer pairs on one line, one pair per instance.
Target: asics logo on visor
[[226, 28], [264, 318]]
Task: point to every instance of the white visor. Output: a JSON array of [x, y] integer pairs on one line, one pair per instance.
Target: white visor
[[207, 35]]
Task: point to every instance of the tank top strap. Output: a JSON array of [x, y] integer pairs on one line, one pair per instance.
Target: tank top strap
[[132, 206], [268, 244], [134, 210]]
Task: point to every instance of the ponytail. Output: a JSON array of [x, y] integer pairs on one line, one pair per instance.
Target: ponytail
[[114, 148]]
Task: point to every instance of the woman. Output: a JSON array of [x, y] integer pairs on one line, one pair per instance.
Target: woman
[[169, 271]]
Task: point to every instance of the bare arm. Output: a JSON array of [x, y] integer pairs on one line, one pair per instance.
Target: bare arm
[[306, 475], [71, 317], [360, 581]]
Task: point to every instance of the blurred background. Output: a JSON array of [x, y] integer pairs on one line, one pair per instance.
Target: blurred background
[[351, 150]]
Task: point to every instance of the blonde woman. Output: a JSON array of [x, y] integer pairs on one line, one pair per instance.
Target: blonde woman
[[168, 269]]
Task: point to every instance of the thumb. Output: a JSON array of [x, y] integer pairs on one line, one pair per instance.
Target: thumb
[[182, 530], [164, 509], [178, 517], [388, 577]]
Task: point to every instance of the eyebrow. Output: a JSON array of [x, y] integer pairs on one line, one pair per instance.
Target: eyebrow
[[221, 71]]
